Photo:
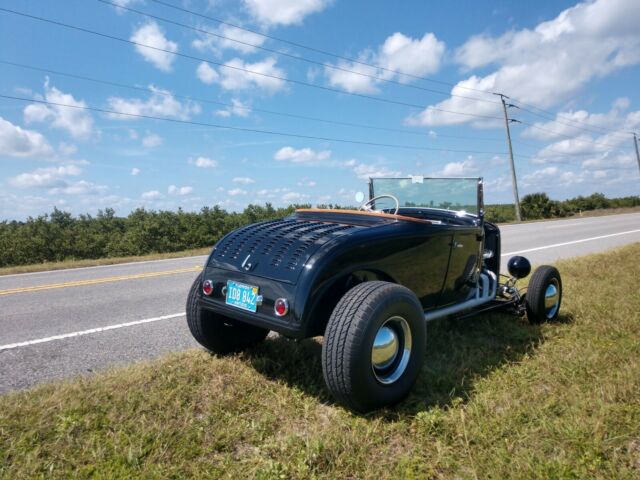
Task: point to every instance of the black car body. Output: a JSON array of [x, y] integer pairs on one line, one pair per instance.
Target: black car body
[[315, 256], [301, 267]]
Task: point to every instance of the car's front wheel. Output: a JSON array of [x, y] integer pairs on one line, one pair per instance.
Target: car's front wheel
[[374, 345], [217, 333], [544, 295]]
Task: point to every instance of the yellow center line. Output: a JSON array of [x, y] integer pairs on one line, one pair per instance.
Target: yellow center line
[[93, 281]]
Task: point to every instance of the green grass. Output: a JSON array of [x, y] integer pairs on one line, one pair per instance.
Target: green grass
[[498, 398]]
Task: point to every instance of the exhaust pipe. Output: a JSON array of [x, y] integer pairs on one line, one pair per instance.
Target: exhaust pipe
[[485, 292]]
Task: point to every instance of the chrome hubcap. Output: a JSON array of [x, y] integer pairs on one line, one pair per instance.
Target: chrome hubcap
[[391, 350], [552, 298], [385, 348]]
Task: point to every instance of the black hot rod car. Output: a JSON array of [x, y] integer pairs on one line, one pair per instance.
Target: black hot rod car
[[368, 280]]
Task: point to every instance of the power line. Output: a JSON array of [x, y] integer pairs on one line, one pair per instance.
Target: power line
[[295, 57], [244, 129], [200, 59], [314, 49], [242, 107], [299, 82], [359, 62]]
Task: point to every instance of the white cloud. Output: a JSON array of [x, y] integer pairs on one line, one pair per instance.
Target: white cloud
[[203, 162], [151, 195], [243, 180], [18, 142], [284, 12], [173, 190], [152, 140], [281, 195], [566, 182], [236, 108], [565, 123], [307, 183], [45, 177], [458, 169], [76, 121], [161, 103], [357, 82], [609, 161], [67, 149], [81, 187], [412, 56], [497, 160], [302, 155], [398, 53], [236, 78], [547, 64], [216, 44], [135, 171], [236, 191], [571, 141], [365, 171], [294, 197], [206, 74], [124, 3], [152, 35]]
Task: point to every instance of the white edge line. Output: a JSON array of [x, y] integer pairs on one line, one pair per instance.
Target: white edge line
[[569, 243], [63, 270], [11, 346]]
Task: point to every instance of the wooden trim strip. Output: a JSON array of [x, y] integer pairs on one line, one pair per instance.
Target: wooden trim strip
[[359, 212]]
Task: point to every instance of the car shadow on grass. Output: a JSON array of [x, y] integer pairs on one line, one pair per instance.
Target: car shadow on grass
[[459, 352]]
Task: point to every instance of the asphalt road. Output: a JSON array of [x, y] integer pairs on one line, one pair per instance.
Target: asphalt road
[[63, 323]]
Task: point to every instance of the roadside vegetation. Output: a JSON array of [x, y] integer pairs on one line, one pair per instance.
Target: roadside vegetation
[[61, 237], [497, 398], [536, 206]]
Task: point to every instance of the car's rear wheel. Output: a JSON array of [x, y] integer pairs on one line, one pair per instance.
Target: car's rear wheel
[[217, 333], [374, 346], [544, 295]]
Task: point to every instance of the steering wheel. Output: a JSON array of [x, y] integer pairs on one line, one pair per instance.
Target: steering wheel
[[366, 206]]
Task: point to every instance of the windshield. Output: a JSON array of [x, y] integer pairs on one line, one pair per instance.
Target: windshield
[[457, 194]]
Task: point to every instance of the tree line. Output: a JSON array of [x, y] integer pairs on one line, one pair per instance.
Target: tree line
[[536, 206], [61, 236]]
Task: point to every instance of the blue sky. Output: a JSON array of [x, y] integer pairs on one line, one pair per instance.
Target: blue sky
[[578, 62]]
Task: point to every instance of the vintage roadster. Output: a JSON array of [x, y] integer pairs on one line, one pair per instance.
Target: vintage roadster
[[368, 280]]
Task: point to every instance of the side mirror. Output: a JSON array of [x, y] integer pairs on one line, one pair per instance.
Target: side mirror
[[359, 197]]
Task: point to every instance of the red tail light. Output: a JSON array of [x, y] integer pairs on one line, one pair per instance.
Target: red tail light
[[207, 287], [281, 307]]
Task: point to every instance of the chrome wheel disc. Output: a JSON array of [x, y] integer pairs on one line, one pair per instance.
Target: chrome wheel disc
[[391, 350], [552, 299]]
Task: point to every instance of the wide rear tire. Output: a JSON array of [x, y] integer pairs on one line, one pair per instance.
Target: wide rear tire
[[544, 295], [217, 333], [374, 346]]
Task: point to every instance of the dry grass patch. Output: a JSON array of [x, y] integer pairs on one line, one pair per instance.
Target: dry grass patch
[[498, 398]]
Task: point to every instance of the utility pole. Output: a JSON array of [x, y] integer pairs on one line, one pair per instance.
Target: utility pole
[[635, 142], [513, 167]]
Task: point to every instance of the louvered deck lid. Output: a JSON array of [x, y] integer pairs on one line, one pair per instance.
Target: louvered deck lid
[[276, 249]]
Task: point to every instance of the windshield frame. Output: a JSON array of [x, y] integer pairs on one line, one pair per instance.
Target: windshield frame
[[479, 194]]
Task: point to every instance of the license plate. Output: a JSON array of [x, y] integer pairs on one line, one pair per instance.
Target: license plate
[[242, 296]]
